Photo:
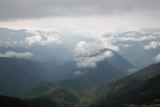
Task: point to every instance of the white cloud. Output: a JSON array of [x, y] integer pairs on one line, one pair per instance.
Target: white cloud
[[77, 73], [152, 45], [138, 39], [16, 54], [42, 38], [85, 49], [146, 37], [157, 58], [125, 45], [88, 54], [89, 62]]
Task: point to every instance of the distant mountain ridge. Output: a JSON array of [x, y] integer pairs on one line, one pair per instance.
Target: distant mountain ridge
[[22, 74], [106, 70], [19, 75]]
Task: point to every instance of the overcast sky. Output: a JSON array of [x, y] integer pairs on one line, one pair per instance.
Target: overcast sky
[[53, 13], [19, 9]]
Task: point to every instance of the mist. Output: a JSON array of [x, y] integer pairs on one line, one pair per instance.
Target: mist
[[79, 53]]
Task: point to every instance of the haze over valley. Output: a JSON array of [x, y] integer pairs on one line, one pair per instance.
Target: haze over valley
[[79, 53]]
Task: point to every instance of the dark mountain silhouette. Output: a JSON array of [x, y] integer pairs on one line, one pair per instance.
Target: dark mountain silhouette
[[20, 75], [138, 88], [36, 102]]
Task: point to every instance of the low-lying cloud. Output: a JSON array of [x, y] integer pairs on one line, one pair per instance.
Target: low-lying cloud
[[152, 45], [42, 38], [138, 39], [157, 58], [16, 54], [88, 54], [80, 44], [89, 62], [77, 73]]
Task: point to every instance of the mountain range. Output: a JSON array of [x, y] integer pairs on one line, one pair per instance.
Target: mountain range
[[22, 75], [138, 88]]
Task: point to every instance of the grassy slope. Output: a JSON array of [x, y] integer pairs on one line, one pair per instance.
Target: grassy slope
[[141, 87]]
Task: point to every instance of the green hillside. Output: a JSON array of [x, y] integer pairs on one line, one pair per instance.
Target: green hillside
[[53, 97], [138, 88]]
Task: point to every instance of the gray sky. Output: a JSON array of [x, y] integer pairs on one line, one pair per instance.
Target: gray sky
[[19, 9]]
